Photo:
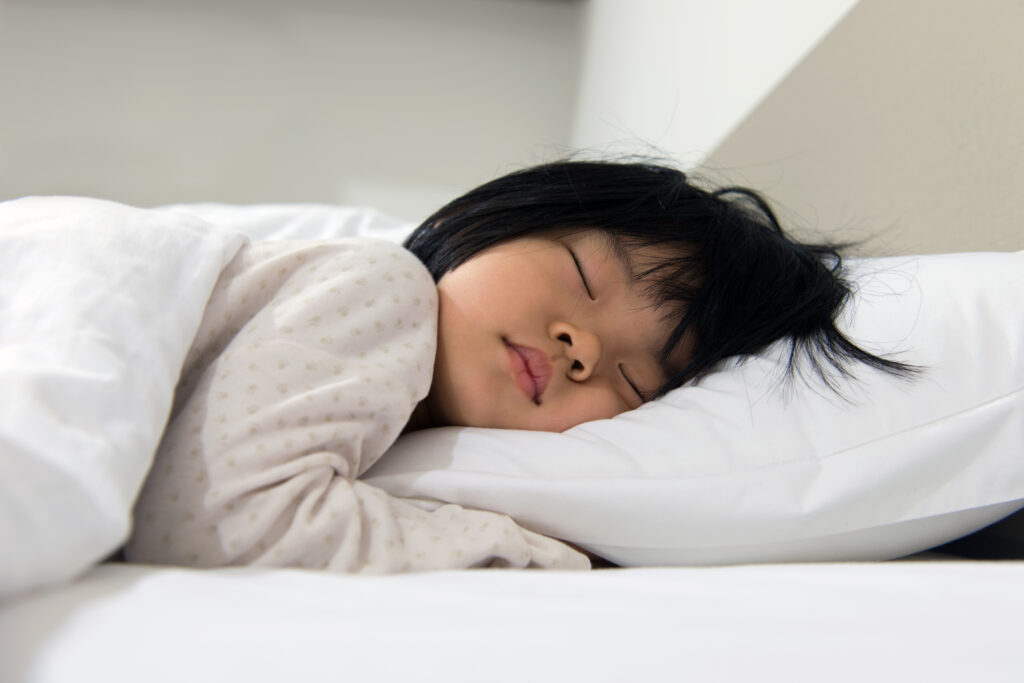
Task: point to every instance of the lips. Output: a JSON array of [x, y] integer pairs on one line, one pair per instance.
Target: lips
[[531, 369]]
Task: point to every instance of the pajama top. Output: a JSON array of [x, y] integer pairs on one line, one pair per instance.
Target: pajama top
[[308, 363]]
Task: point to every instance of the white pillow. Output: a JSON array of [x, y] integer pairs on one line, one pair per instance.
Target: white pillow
[[99, 303], [737, 469]]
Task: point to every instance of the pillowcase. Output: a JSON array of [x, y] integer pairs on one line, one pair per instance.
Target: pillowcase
[[745, 468], [99, 303]]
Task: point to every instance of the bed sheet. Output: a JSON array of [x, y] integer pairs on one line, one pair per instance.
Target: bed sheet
[[898, 621]]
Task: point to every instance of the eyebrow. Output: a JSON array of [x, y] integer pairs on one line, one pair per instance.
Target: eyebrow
[[621, 253]]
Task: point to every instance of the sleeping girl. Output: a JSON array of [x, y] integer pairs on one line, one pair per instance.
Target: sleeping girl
[[556, 295]]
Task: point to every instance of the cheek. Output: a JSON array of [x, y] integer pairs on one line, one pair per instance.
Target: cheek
[[599, 404], [455, 388], [454, 398], [496, 283]]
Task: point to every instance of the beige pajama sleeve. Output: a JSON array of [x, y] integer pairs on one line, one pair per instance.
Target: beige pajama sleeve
[[309, 361]]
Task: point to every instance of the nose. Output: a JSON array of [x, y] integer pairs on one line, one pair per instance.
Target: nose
[[580, 346]]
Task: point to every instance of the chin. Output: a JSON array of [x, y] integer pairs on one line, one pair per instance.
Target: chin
[[492, 422], [464, 418]]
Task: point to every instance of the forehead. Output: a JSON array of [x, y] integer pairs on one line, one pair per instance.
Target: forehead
[[635, 260]]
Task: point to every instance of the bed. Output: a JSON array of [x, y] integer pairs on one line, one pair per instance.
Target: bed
[[794, 553], [920, 620], [808, 599]]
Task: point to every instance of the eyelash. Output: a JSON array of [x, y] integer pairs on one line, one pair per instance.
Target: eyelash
[[579, 269], [632, 386]]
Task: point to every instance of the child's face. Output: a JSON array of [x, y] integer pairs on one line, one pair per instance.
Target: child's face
[[523, 345]]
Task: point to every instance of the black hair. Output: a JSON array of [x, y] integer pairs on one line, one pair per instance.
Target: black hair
[[738, 280]]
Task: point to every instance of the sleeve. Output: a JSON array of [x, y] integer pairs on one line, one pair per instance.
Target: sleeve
[[309, 362]]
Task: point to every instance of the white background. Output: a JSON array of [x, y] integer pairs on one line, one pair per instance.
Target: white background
[[398, 104]]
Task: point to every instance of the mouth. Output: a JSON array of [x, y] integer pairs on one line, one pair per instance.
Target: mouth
[[531, 369]]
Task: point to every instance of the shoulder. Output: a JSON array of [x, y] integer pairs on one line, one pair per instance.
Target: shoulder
[[357, 295], [389, 261], [385, 271], [349, 266], [370, 253], [384, 263]]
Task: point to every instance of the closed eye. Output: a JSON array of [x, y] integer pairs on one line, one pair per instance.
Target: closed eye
[[641, 395], [579, 269]]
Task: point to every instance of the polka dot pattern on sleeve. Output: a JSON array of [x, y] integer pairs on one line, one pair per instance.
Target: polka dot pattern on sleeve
[[309, 361]]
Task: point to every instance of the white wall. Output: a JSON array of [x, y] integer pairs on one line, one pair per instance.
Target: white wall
[[680, 74], [400, 104]]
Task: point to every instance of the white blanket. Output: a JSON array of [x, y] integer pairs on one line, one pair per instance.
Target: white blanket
[[98, 304]]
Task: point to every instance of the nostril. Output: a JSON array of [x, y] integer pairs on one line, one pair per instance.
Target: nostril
[[576, 365], [565, 338]]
